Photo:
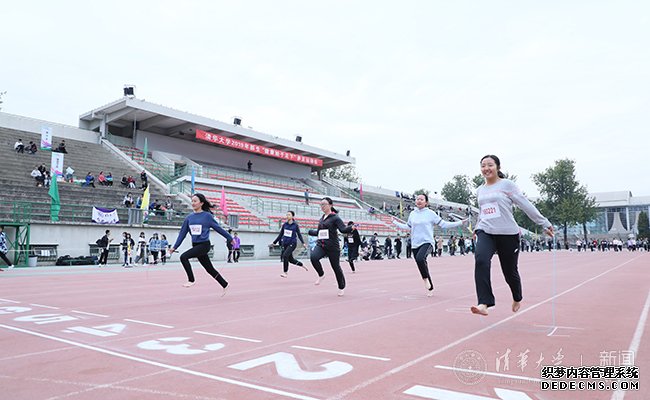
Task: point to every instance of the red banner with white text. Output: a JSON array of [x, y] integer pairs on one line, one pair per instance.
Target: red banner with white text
[[253, 148]]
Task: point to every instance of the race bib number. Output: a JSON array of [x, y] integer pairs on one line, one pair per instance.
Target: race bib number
[[350, 239], [195, 229], [288, 233], [323, 234], [490, 210]]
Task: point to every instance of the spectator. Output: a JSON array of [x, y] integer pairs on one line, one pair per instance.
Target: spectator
[[131, 182], [154, 247], [128, 200], [109, 179], [47, 179], [31, 148], [19, 146], [388, 247], [164, 244], [169, 208], [236, 244], [124, 181], [250, 165], [138, 202], [90, 180], [61, 148], [3, 247], [69, 174], [101, 178], [38, 176], [104, 244], [307, 196], [144, 179], [154, 206]]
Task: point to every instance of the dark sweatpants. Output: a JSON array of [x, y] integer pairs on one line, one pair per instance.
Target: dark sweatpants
[[200, 252], [420, 254], [4, 257], [507, 248], [287, 256], [334, 255]]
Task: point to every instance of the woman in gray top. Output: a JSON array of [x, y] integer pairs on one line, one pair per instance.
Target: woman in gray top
[[497, 232]]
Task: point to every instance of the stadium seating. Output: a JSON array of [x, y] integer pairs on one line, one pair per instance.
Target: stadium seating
[[22, 197]]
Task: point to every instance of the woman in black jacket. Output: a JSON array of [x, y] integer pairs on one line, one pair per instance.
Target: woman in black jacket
[[328, 242], [354, 241]]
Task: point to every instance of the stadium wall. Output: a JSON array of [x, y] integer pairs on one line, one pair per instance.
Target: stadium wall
[[75, 239], [34, 125]]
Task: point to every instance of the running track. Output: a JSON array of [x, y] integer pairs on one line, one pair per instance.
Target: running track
[[113, 333]]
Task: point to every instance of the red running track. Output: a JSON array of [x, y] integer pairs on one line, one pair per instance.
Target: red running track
[[112, 333]]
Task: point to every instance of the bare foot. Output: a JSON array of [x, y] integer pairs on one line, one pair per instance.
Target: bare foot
[[516, 305], [188, 284], [481, 309]]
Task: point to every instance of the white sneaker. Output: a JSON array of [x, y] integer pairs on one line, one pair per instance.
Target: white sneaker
[[283, 275], [225, 290], [319, 280], [188, 284], [341, 291]]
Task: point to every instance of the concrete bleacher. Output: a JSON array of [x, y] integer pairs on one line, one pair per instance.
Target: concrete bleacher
[[219, 172], [23, 199], [267, 210]]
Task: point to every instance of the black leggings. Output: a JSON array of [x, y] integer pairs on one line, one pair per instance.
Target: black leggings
[[334, 255], [200, 252], [507, 248], [420, 254], [287, 256], [4, 257]]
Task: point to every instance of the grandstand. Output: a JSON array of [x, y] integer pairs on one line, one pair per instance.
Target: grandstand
[[182, 152]]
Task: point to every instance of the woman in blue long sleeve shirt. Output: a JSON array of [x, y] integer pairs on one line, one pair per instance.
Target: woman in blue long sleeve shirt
[[198, 224], [288, 238]]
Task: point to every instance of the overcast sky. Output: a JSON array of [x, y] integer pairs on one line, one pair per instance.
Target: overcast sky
[[418, 91]]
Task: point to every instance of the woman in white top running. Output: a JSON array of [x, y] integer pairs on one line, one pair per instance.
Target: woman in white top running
[[497, 232], [420, 223]]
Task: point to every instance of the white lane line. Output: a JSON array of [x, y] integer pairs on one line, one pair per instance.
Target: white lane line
[[229, 337], [41, 305], [9, 301], [636, 341], [342, 353], [166, 366], [561, 327], [473, 371], [346, 393], [552, 332], [89, 313], [148, 323]]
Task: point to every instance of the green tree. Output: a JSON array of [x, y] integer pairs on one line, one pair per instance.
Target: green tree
[[2, 94], [478, 180], [458, 190], [563, 197], [587, 210], [644, 226], [345, 172]]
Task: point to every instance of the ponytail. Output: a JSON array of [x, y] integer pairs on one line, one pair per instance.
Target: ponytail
[[500, 174]]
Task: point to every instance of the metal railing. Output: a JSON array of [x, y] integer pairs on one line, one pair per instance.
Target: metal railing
[[32, 211]]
